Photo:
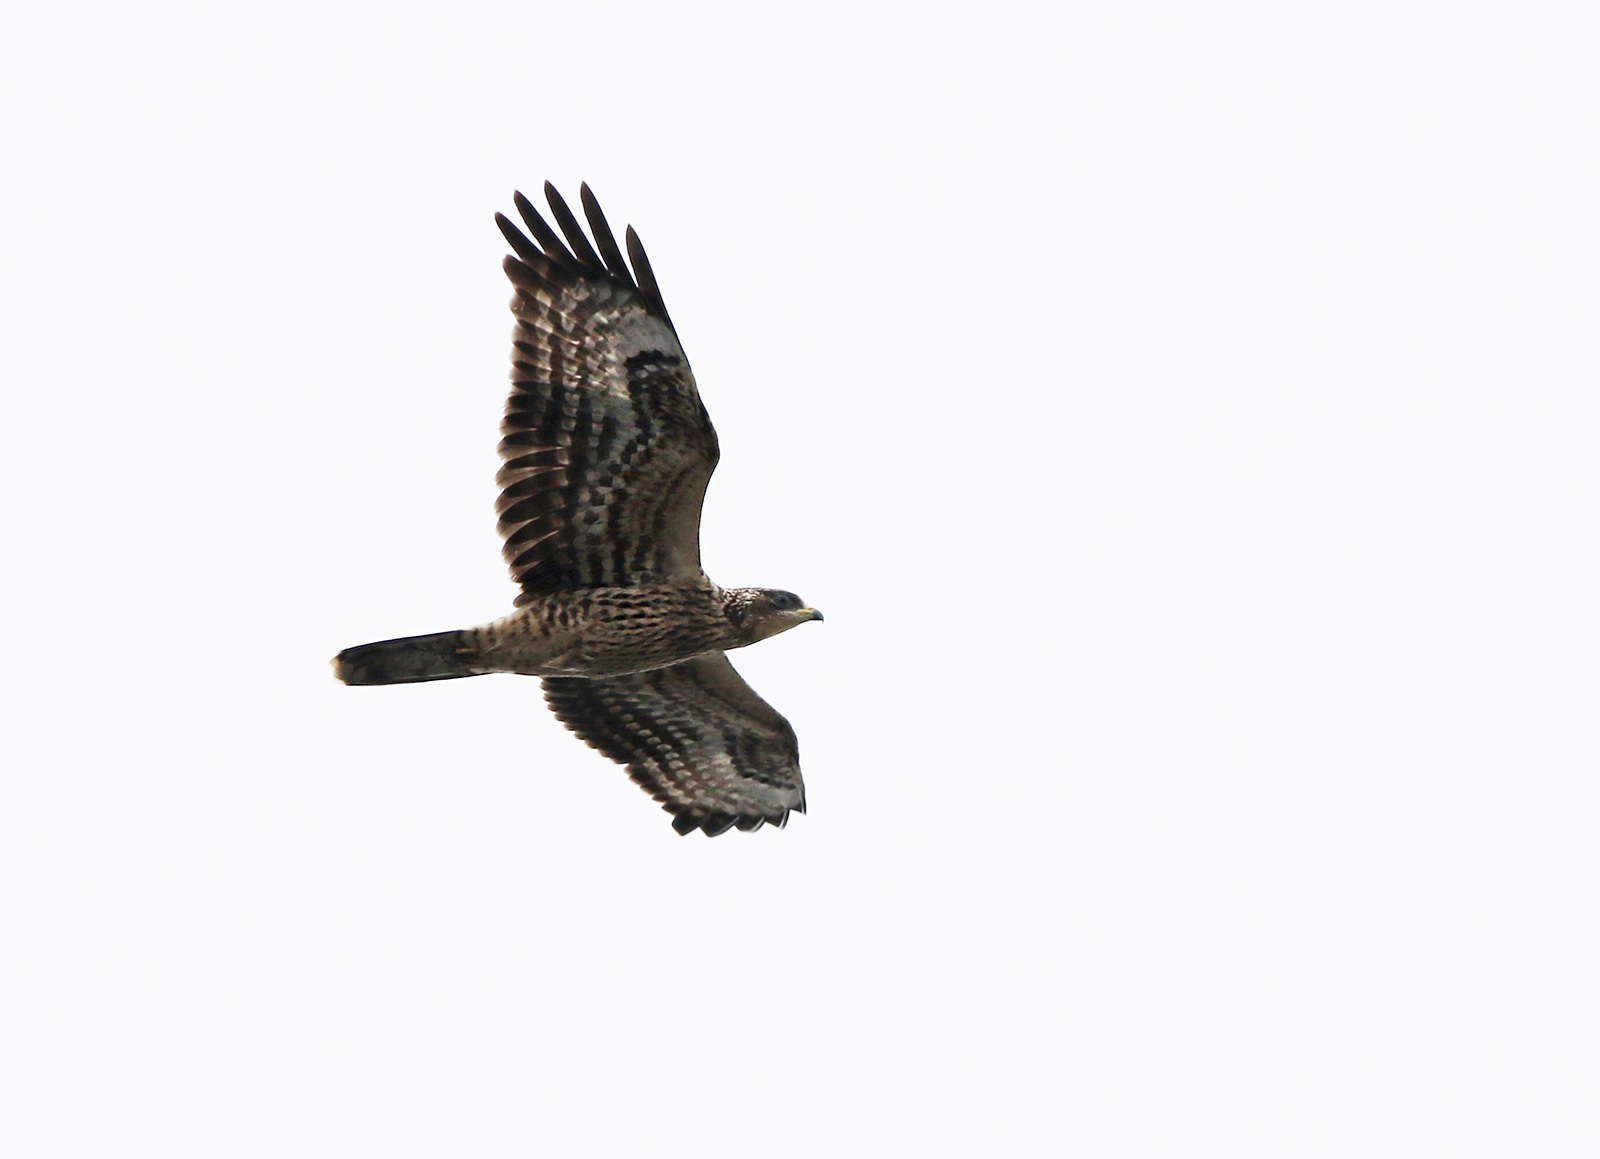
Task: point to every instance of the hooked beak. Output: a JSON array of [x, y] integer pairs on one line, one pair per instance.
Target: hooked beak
[[812, 613]]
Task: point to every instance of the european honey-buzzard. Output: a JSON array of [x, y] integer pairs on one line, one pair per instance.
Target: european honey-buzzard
[[607, 450]]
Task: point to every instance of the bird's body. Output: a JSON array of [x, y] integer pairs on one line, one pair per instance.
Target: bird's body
[[609, 631], [607, 451], [602, 631]]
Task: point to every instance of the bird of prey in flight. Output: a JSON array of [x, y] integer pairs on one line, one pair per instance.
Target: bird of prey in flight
[[606, 453]]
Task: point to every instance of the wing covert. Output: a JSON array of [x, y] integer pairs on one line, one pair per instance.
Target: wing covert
[[695, 737], [607, 448]]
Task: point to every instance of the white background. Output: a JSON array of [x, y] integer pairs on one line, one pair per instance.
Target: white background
[[1184, 415]]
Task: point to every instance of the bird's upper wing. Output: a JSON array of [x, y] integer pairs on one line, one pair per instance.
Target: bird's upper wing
[[607, 448], [695, 736]]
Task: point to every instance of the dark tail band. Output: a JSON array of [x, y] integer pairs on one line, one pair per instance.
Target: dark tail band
[[441, 656]]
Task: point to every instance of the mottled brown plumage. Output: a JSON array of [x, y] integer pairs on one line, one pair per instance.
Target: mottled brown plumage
[[606, 453]]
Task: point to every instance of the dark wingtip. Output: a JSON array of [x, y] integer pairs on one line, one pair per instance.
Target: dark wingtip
[[519, 242], [525, 276], [716, 824], [571, 229], [554, 249], [645, 276], [603, 237]]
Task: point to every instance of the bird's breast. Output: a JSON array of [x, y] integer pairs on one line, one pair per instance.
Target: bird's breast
[[606, 631]]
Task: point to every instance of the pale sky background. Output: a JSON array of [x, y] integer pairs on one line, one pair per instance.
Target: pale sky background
[[1184, 414]]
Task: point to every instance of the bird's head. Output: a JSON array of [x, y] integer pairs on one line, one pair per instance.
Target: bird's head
[[762, 612]]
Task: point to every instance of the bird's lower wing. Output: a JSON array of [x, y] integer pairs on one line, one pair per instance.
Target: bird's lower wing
[[695, 736]]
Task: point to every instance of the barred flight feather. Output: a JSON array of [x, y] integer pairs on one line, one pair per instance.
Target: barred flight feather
[[600, 380], [694, 736]]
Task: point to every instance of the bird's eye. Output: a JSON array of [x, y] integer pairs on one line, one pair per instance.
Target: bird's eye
[[783, 601]]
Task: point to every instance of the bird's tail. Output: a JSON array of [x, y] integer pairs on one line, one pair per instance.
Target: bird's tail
[[441, 656]]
